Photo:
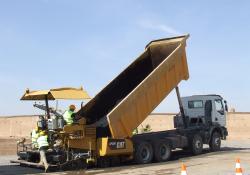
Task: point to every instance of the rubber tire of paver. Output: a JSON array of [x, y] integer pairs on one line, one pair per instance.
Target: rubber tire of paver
[[103, 162]]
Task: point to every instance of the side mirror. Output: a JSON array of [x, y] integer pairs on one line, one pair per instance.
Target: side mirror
[[226, 108]]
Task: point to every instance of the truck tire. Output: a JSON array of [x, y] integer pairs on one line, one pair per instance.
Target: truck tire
[[196, 144], [162, 151], [143, 153], [215, 142]]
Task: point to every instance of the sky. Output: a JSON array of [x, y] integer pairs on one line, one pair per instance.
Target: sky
[[54, 43]]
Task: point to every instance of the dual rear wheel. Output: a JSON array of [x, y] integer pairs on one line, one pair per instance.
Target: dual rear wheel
[[160, 150], [145, 152]]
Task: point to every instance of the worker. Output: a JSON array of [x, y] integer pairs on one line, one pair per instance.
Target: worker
[[135, 131], [34, 137], [68, 115], [43, 147]]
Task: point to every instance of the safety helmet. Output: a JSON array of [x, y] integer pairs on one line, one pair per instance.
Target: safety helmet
[[72, 107]]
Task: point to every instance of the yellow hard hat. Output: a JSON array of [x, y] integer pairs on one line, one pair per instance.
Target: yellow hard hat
[[42, 133], [72, 107]]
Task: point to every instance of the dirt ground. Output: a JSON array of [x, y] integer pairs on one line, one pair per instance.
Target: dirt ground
[[208, 163]]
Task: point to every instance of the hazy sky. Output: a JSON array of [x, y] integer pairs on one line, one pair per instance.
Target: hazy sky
[[54, 43]]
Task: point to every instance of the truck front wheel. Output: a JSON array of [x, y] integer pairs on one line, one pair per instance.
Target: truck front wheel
[[215, 142], [143, 153], [197, 145]]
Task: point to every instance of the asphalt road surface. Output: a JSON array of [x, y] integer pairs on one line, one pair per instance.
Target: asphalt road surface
[[208, 163]]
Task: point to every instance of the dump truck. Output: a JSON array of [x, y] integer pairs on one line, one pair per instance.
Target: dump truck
[[103, 134]]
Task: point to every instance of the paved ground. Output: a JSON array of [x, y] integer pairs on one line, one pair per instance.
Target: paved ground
[[219, 163]]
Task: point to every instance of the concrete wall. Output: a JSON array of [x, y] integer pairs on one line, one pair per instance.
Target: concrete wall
[[159, 122], [17, 126], [238, 124]]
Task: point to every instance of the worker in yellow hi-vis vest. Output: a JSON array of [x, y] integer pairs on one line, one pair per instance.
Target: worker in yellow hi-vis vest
[[43, 147], [34, 137], [68, 115]]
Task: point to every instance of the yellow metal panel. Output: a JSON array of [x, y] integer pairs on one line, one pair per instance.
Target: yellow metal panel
[[73, 128], [105, 149], [137, 105], [59, 93], [86, 143]]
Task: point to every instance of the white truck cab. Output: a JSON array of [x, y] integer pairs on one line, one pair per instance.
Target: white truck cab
[[203, 120], [210, 109]]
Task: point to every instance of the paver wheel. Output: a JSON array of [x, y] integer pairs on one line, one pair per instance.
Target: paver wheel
[[103, 162]]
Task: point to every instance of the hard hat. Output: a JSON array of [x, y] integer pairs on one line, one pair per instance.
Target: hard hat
[[72, 107], [42, 133]]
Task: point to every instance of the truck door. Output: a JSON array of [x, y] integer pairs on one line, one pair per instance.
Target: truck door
[[208, 112], [219, 112]]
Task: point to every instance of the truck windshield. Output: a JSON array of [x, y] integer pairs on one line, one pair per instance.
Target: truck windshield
[[219, 106]]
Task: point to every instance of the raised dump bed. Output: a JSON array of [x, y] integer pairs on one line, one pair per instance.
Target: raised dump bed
[[129, 98]]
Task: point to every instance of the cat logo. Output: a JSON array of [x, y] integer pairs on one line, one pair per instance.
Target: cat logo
[[116, 144]]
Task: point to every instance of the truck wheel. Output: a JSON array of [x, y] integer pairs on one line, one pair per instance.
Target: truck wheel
[[215, 142], [143, 153], [197, 145], [162, 151]]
